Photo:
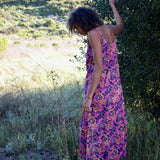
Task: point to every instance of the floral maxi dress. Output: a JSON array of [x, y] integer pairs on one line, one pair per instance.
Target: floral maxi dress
[[103, 131]]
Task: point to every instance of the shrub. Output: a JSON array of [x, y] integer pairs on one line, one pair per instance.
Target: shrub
[[63, 33], [23, 24], [3, 22], [54, 44], [5, 14], [37, 34], [25, 35], [49, 23], [63, 7], [10, 30], [140, 52], [17, 42], [3, 45], [36, 45]]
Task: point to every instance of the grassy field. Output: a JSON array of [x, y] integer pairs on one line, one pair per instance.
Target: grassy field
[[41, 91], [40, 103]]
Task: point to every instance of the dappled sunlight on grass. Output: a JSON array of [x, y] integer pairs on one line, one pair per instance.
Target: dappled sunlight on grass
[[40, 98], [42, 86], [38, 72]]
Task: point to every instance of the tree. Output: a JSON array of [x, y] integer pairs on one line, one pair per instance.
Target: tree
[[139, 53]]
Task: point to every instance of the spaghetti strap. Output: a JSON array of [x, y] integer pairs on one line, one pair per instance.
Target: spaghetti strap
[[98, 32], [103, 36]]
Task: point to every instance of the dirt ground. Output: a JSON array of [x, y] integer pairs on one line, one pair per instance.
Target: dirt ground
[[64, 46]]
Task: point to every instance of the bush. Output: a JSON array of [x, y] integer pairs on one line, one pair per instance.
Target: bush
[[36, 45], [55, 44], [63, 7], [3, 45], [63, 33], [49, 23], [25, 35], [37, 34], [140, 52], [17, 42], [3, 22], [23, 24], [10, 30]]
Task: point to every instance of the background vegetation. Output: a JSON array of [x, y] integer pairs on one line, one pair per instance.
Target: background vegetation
[[40, 103], [138, 46], [3, 45]]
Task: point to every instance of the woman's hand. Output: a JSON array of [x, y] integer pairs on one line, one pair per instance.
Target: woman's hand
[[87, 105], [112, 2]]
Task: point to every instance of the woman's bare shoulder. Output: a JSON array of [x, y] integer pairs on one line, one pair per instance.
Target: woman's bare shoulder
[[93, 34]]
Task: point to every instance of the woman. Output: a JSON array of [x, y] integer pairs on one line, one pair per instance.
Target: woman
[[103, 131]]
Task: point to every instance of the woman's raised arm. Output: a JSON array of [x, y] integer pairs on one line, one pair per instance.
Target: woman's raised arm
[[119, 23]]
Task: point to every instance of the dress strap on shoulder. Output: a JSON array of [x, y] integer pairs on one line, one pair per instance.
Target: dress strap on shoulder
[[98, 31]]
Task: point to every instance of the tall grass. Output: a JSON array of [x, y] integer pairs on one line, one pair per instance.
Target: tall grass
[[27, 22], [41, 109], [143, 137], [3, 45], [40, 98]]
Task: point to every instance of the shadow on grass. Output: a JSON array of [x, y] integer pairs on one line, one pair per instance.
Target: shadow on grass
[[41, 120], [41, 8], [44, 120]]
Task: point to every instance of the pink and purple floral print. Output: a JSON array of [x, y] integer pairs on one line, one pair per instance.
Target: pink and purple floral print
[[103, 132]]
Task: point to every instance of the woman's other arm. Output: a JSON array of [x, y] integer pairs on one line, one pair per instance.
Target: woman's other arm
[[116, 29], [95, 42]]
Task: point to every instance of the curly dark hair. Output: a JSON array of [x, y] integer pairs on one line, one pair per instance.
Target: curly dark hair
[[85, 18]]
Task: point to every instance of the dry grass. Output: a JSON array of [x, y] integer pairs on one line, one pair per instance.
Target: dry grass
[[40, 90]]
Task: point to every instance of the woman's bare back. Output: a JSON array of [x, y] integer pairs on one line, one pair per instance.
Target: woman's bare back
[[107, 33]]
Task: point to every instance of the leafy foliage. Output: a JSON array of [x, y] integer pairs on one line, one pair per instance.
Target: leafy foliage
[[41, 109], [64, 6], [3, 45], [138, 46], [24, 1], [59, 7], [49, 23]]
